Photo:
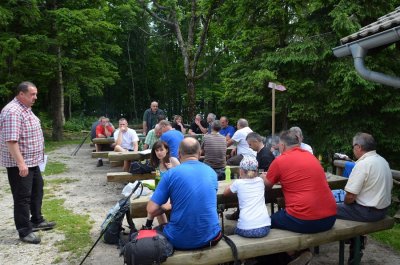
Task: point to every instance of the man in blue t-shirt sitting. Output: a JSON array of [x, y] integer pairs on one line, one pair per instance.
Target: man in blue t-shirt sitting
[[192, 189], [226, 130]]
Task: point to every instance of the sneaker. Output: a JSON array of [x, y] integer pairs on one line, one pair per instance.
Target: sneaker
[[43, 226], [99, 163], [233, 216], [303, 259], [31, 239]]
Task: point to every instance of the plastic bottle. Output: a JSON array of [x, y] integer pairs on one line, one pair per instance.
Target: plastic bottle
[[228, 174], [157, 178]]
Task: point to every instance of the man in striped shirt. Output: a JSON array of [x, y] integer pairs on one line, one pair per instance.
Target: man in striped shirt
[[21, 145]]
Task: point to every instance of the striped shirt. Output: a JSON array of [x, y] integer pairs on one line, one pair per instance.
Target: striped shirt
[[214, 146], [18, 123]]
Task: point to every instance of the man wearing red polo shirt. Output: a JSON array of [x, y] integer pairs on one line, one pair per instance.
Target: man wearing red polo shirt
[[309, 204]]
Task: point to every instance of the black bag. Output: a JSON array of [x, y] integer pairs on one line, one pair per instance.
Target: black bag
[[147, 247], [140, 168]]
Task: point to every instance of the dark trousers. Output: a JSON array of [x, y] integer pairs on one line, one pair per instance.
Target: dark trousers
[[28, 195]]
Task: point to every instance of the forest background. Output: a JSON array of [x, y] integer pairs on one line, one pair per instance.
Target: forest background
[[96, 57]]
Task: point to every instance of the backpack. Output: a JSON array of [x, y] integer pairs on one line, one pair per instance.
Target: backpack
[[147, 247], [112, 225], [140, 168]]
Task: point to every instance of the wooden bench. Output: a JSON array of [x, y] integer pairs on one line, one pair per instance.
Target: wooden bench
[[101, 154], [278, 241], [128, 177]]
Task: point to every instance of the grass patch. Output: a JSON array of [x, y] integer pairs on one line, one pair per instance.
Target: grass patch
[[61, 181], [76, 228], [389, 237], [54, 168], [52, 145]]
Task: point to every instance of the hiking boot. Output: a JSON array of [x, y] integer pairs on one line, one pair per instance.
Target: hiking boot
[[304, 258], [99, 163], [43, 226], [233, 216], [146, 227], [31, 239]]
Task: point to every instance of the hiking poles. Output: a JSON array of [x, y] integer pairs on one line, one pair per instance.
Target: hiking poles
[[80, 145], [112, 217]]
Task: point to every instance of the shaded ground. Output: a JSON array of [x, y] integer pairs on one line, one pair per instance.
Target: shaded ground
[[92, 195]]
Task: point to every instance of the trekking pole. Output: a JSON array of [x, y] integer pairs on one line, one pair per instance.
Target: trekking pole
[[80, 145], [108, 224]]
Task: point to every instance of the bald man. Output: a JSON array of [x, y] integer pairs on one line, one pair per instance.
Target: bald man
[[192, 187], [150, 117]]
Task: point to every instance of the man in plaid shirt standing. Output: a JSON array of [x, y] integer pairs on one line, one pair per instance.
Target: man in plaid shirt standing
[[21, 145]]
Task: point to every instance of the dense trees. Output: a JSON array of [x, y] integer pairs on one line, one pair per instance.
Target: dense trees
[[114, 57]]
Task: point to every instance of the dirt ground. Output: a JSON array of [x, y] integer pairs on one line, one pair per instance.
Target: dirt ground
[[92, 195]]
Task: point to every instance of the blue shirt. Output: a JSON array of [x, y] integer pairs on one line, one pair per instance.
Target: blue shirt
[[173, 138], [192, 189], [228, 130]]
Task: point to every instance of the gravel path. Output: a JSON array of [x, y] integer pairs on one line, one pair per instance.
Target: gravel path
[[92, 195]]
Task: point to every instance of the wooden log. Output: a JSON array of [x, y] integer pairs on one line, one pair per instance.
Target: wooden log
[[276, 241], [131, 155], [102, 154], [128, 177]]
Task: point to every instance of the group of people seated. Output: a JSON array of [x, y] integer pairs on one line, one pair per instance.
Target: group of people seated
[[188, 187]]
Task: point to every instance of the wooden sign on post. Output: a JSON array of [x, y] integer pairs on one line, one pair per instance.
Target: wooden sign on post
[[274, 87]]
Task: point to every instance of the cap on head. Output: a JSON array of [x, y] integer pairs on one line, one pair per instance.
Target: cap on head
[[249, 163]]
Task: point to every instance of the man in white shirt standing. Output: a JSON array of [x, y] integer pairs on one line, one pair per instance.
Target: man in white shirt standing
[[242, 147], [126, 139], [369, 188]]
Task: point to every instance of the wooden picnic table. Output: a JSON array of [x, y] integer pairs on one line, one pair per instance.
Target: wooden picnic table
[[129, 155], [110, 140], [138, 206]]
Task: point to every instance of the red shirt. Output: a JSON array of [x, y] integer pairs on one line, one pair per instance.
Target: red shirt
[[304, 185], [101, 130]]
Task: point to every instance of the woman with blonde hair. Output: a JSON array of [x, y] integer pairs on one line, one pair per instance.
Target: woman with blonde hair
[[254, 220]]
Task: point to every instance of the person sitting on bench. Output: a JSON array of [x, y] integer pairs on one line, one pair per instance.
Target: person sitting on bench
[[192, 187], [309, 204], [254, 220], [126, 139], [369, 189]]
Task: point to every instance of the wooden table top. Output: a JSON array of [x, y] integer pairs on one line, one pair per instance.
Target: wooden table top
[[138, 206]]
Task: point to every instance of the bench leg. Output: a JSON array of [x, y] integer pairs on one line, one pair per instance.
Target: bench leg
[[316, 250], [341, 252], [357, 249]]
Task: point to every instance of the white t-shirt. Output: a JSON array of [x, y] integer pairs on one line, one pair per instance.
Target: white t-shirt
[[253, 211], [306, 147], [128, 138], [371, 180], [242, 146]]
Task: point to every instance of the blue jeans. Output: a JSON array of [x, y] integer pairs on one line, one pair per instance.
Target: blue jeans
[[285, 221], [28, 195], [256, 232]]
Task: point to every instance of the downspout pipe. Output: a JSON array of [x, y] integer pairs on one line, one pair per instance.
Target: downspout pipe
[[359, 54]]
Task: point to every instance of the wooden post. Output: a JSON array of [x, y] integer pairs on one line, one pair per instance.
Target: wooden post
[[273, 112]]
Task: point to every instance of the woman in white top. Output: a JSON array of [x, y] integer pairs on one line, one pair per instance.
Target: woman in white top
[[254, 220]]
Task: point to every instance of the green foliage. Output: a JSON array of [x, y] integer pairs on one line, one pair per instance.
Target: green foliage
[[78, 124], [389, 237], [76, 228], [54, 168]]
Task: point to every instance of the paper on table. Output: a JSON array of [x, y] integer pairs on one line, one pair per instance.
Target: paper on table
[[42, 166], [145, 152]]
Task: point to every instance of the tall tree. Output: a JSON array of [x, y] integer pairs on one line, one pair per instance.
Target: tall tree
[[193, 18]]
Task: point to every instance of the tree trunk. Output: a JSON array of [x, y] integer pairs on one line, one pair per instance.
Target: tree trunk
[[191, 101], [57, 102]]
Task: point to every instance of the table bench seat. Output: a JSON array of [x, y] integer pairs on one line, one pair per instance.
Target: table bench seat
[[277, 241], [101, 154]]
